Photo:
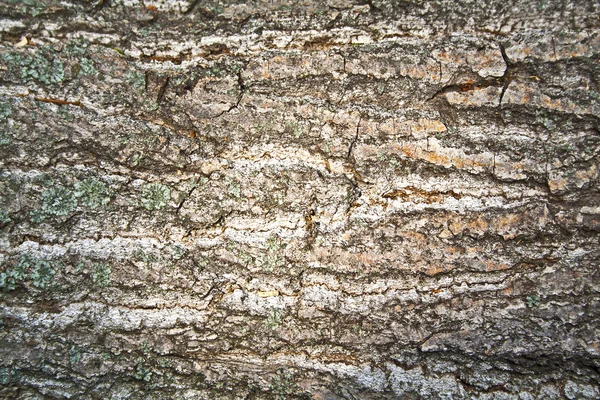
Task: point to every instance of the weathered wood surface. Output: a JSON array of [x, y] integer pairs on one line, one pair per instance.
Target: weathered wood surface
[[329, 200]]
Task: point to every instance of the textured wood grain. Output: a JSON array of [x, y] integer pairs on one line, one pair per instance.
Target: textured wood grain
[[328, 200]]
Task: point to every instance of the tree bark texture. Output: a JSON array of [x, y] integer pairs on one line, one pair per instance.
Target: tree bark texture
[[317, 199]]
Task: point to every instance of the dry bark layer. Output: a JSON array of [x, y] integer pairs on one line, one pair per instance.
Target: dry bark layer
[[278, 200]]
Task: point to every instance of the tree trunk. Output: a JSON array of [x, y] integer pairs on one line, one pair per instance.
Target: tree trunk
[[280, 200]]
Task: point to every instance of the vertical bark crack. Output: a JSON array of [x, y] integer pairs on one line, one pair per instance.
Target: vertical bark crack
[[506, 76], [355, 138]]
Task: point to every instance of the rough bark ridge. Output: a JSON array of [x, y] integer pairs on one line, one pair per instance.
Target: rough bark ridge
[[329, 200]]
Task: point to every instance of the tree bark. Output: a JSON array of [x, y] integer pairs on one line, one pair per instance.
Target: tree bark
[[318, 199]]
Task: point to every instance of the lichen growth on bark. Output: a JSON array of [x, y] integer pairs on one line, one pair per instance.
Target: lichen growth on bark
[[335, 200], [155, 196]]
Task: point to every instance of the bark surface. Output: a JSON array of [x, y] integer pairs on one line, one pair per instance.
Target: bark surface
[[317, 199]]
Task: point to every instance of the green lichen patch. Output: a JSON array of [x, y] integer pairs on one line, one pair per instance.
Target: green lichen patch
[[42, 274], [101, 275], [76, 47], [532, 301], [274, 319], [177, 252], [4, 217], [11, 276], [155, 196], [63, 112], [146, 257], [74, 355], [9, 376], [39, 271], [87, 67], [142, 372], [93, 193], [294, 128], [271, 259], [136, 80], [43, 66], [31, 7], [5, 110], [233, 187], [37, 216], [35, 7], [58, 201], [283, 385]]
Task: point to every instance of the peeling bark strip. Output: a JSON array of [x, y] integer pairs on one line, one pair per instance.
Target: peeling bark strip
[[299, 200]]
